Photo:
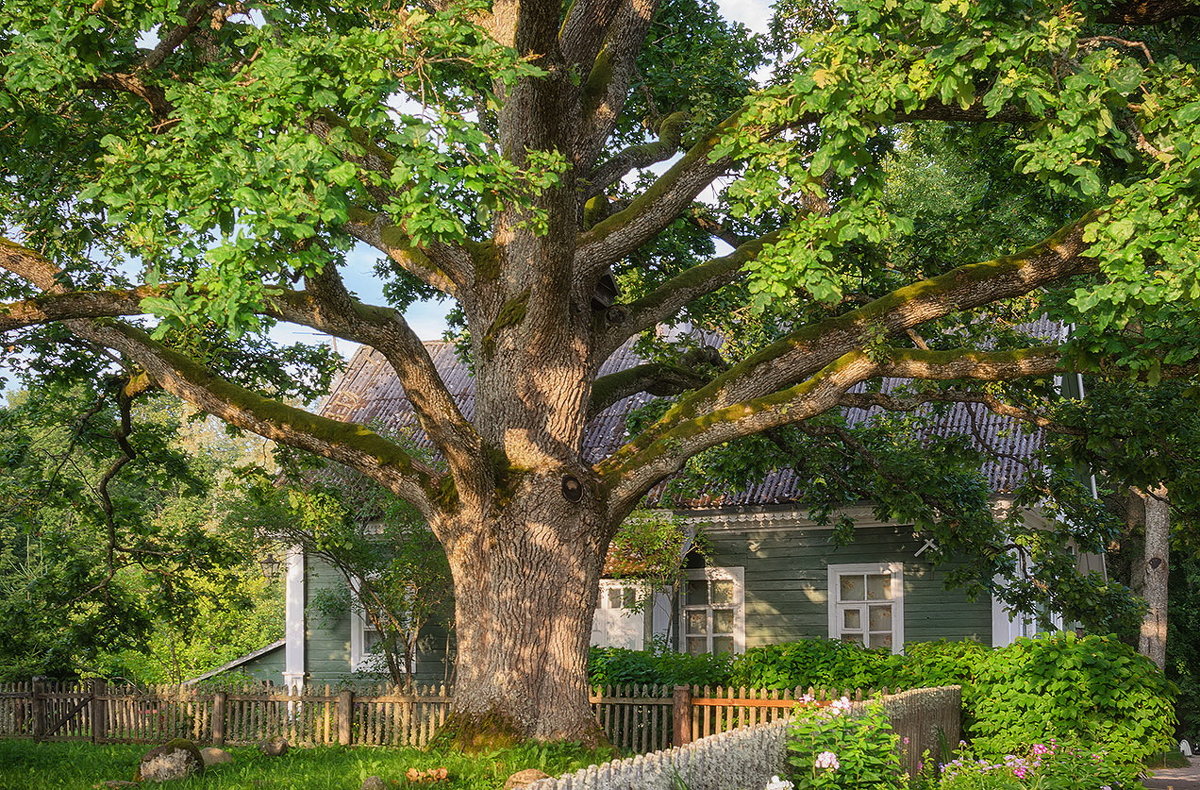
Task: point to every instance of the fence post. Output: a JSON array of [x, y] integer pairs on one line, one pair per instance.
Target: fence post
[[218, 717], [99, 711], [38, 704], [682, 714], [345, 713]]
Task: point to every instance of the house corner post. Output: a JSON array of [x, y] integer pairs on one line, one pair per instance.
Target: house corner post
[[682, 715], [293, 651]]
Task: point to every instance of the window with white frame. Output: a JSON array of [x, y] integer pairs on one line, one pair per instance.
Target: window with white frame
[[712, 611], [364, 643], [365, 650], [620, 619], [866, 604]]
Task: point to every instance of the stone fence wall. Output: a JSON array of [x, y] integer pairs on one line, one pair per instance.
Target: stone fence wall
[[746, 759]]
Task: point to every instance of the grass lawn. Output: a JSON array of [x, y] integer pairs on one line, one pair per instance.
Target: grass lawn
[[25, 765]]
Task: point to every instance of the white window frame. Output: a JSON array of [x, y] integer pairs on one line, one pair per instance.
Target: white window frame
[[737, 575], [360, 657], [894, 569], [1009, 626], [641, 593]]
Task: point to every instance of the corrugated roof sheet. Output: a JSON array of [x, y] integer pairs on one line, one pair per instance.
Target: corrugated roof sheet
[[368, 392]]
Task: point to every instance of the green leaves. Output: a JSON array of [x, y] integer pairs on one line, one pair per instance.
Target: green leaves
[[1093, 689]]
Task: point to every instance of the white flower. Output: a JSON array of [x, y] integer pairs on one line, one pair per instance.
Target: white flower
[[779, 784], [827, 760], [840, 705]]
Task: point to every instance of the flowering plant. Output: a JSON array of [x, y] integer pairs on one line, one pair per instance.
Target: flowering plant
[[835, 748], [1046, 766]]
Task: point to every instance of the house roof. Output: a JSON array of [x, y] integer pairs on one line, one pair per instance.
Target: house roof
[[237, 662], [368, 392]]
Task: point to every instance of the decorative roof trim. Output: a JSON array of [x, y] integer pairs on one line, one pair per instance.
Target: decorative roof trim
[[790, 518]]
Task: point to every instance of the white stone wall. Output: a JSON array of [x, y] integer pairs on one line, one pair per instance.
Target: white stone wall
[[747, 758]]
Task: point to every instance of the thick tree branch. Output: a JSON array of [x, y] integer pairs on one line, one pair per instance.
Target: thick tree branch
[[1148, 12], [627, 320], [613, 71], [670, 134], [74, 304], [329, 307], [624, 232], [586, 26], [351, 444], [656, 378], [647, 215], [439, 266], [664, 447], [154, 96], [174, 37], [812, 347], [348, 443]]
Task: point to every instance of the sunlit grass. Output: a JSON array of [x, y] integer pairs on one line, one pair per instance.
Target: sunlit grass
[[25, 765]]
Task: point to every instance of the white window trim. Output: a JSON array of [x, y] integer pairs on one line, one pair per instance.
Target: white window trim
[[1009, 626], [738, 576], [359, 655], [639, 619], [896, 569]]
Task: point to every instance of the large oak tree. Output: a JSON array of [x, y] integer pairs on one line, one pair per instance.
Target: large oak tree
[[179, 176]]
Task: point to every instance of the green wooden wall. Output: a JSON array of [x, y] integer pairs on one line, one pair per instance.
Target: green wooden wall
[[327, 652], [786, 580], [265, 667]]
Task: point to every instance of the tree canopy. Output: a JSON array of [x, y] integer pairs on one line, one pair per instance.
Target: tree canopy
[[178, 177]]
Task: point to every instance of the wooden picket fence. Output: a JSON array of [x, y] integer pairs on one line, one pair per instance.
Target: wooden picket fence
[[636, 718]]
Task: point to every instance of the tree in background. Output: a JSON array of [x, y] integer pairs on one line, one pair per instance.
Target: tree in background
[[501, 155], [112, 561]]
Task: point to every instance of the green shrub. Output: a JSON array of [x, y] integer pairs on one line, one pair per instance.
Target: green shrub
[[820, 663], [616, 665], [1092, 689], [943, 663], [1050, 766], [828, 748]]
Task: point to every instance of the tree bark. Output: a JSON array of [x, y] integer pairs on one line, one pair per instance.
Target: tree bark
[[1156, 519], [525, 592]]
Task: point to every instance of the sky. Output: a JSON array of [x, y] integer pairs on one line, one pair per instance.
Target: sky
[[428, 319]]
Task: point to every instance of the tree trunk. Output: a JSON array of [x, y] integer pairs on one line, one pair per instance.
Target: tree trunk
[[525, 589], [1156, 520]]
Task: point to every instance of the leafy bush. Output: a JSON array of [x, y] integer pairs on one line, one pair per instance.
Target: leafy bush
[[616, 665], [829, 748], [820, 663], [942, 663], [1092, 689], [1050, 766]]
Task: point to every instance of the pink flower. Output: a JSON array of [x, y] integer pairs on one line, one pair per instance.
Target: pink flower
[[840, 705], [827, 761]]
